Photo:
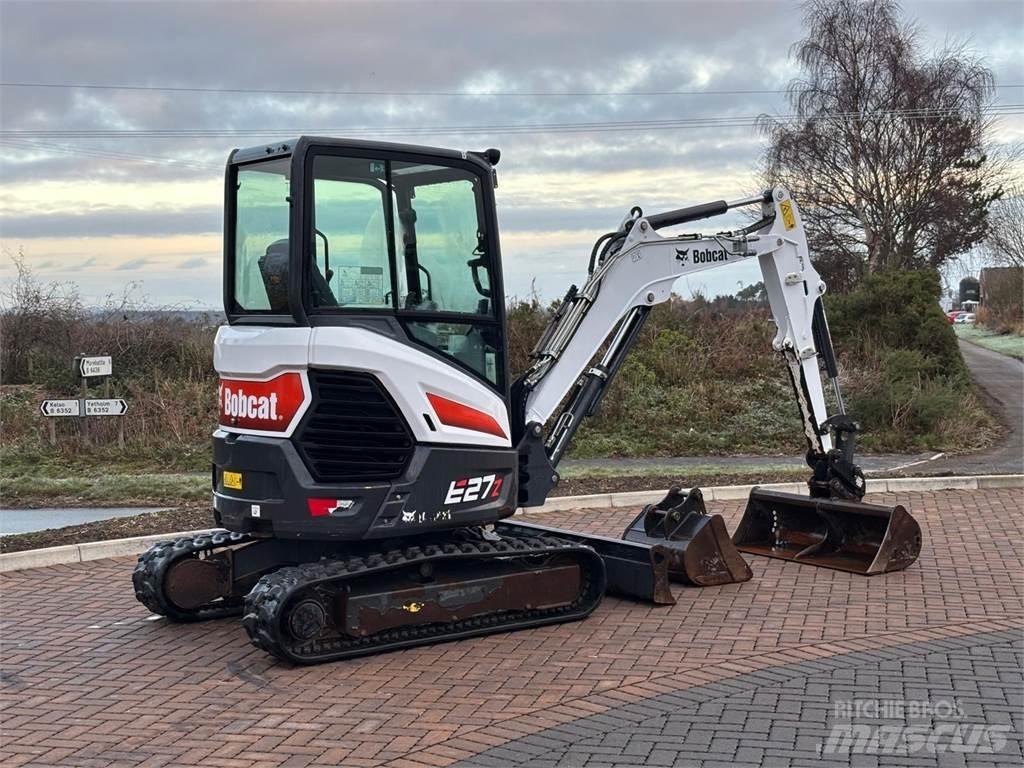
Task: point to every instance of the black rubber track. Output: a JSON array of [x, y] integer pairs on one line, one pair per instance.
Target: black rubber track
[[266, 604], [150, 571]]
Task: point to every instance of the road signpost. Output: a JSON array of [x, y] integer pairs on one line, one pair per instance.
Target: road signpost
[[88, 367], [54, 409]]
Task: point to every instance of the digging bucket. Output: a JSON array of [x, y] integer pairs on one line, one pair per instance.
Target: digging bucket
[[845, 535], [700, 551]]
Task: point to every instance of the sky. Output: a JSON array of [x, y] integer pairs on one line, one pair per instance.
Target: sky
[[133, 211]]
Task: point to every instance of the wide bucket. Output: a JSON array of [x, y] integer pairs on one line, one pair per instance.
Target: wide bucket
[[845, 535], [700, 552]]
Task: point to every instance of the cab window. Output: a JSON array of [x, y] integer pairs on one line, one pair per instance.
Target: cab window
[[261, 237], [350, 268], [441, 243], [443, 264]]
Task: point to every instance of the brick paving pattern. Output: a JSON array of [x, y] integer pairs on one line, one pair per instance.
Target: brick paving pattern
[[86, 679], [816, 713]]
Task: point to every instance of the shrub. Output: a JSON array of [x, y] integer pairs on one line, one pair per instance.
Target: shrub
[[702, 378], [896, 310], [911, 387], [1003, 297]]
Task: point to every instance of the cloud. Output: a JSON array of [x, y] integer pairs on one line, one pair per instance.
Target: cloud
[[147, 186], [193, 263], [113, 222], [132, 264]]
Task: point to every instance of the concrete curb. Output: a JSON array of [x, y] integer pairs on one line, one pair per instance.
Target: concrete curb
[[97, 550], [91, 550]]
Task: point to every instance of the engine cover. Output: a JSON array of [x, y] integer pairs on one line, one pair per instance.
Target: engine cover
[[262, 486]]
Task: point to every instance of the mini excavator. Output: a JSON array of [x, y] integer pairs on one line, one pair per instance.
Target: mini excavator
[[372, 446]]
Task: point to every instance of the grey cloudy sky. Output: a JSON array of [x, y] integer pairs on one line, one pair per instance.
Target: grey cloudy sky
[[90, 210]]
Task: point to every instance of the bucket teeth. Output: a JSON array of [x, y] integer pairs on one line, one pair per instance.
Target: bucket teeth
[[699, 549], [845, 535]]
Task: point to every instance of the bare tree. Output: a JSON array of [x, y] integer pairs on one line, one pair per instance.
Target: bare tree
[[1004, 244], [885, 146], [33, 315]]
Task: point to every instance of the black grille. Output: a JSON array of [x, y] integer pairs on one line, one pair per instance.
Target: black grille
[[353, 431]]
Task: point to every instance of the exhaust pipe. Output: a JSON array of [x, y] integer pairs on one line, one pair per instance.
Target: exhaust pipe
[[700, 552], [850, 536]]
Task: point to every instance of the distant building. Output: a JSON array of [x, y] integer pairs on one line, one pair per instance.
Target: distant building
[[970, 290]]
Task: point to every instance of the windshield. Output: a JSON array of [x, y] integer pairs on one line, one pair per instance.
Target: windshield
[[261, 237], [440, 263]]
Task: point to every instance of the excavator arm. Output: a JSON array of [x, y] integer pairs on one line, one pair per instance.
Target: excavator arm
[[633, 269]]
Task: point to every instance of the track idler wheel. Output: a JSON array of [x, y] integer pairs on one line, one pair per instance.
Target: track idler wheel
[[306, 619], [190, 579]]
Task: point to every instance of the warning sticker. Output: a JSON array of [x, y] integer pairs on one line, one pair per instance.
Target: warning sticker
[[232, 480], [787, 214], [363, 286]]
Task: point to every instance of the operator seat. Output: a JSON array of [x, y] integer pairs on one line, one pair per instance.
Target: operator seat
[[274, 271]]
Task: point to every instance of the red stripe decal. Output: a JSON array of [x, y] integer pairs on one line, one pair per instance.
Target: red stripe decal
[[455, 414]]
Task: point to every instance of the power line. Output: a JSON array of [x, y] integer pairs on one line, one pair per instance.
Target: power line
[[450, 94], [445, 94], [714, 121], [108, 155]]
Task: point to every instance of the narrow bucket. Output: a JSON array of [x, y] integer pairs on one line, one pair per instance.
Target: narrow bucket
[[846, 535], [700, 551]]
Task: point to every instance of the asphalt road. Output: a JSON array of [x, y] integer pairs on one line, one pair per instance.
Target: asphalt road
[[880, 462], [31, 520], [1001, 379]]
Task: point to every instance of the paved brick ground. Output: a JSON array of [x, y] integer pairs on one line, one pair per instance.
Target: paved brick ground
[[871, 707], [87, 680]]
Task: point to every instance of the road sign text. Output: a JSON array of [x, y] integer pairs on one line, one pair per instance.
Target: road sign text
[[60, 408], [115, 407], [95, 366]]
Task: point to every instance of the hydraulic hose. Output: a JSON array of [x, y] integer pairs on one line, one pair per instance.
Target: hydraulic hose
[[593, 252]]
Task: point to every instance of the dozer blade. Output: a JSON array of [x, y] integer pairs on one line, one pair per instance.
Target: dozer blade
[[846, 535], [700, 550], [637, 571]]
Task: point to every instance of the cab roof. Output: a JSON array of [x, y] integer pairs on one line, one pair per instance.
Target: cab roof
[[282, 147]]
